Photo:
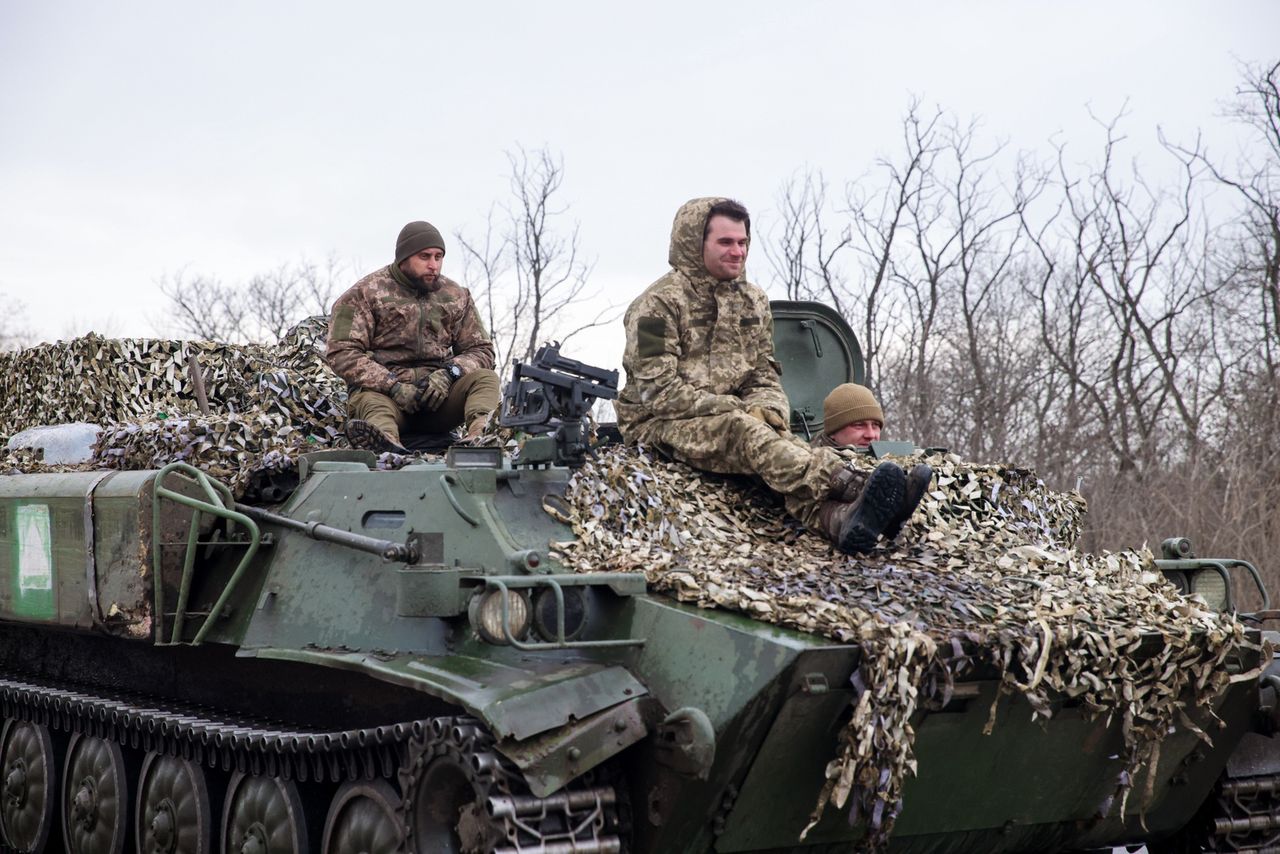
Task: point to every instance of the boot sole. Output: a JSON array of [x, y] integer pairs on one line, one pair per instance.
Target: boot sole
[[881, 500], [364, 436], [913, 494]]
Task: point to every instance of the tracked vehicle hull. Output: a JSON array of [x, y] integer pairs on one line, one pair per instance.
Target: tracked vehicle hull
[[393, 661]]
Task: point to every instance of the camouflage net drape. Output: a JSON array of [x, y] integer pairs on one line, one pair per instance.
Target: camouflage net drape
[[987, 567], [268, 404]]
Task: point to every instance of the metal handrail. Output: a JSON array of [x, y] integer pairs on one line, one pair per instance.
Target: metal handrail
[[219, 497], [504, 587], [1222, 566]]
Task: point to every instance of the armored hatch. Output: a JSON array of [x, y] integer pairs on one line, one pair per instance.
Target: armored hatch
[[818, 351]]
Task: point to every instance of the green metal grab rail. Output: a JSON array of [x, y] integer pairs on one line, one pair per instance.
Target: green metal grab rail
[[504, 584], [219, 503]]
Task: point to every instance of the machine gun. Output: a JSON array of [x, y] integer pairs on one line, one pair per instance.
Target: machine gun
[[553, 394]]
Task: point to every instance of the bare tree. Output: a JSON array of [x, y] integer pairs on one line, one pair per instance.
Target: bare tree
[[263, 309], [801, 250], [485, 263], [533, 280]]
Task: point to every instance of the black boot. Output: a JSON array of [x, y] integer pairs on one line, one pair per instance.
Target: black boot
[[363, 435], [854, 527], [918, 480]]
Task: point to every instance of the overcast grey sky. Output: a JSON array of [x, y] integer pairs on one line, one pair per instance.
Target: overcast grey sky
[[230, 137]]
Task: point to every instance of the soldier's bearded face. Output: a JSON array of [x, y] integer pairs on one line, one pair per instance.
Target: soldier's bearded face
[[724, 252], [425, 266]]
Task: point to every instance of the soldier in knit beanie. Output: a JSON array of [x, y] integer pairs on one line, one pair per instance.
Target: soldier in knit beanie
[[851, 417], [413, 349]]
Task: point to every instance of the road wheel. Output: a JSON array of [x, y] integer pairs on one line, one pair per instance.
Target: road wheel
[[263, 815], [173, 814], [95, 796], [363, 819], [28, 798]]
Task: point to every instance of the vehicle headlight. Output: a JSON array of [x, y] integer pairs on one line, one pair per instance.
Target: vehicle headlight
[[575, 613], [485, 613], [1179, 580], [1210, 586]]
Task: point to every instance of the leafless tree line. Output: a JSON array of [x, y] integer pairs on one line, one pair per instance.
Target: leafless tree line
[[1107, 329], [263, 309]]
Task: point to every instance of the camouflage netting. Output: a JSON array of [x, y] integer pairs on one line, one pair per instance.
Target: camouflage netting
[[267, 404], [985, 574]]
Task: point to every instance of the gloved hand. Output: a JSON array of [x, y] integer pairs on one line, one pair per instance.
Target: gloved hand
[[408, 398], [770, 417], [435, 389]]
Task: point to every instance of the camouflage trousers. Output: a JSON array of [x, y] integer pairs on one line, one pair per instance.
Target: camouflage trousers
[[736, 443], [473, 395]]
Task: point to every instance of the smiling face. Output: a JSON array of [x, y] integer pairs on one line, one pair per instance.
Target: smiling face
[[724, 250], [859, 434]]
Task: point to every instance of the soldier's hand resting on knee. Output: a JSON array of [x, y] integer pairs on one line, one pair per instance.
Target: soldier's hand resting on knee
[[770, 417], [408, 398], [435, 389]]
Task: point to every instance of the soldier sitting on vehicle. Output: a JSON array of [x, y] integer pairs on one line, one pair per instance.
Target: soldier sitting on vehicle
[[852, 418], [412, 348], [703, 385]]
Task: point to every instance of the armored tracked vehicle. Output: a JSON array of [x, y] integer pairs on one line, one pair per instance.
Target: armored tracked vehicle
[[385, 661]]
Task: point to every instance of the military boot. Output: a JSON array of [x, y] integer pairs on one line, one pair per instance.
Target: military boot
[[855, 526], [917, 485], [476, 429], [845, 484], [363, 435]]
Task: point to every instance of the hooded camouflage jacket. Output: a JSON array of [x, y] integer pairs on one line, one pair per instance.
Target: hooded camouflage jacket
[[382, 329], [695, 345]]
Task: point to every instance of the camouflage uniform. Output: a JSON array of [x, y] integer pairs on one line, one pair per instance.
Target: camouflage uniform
[[857, 476], [699, 355], [386, 329]]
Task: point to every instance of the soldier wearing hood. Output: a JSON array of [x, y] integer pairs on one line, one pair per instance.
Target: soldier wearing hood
[[703, 385], [412, 348]]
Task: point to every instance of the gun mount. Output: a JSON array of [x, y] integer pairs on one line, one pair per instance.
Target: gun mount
[[553, 395]]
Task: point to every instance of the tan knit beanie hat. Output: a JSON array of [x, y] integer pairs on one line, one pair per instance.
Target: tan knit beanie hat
[[849, 403]]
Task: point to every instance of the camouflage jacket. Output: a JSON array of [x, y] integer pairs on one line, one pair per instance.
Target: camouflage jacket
[[822, 440], [695, 345], [384, 330]]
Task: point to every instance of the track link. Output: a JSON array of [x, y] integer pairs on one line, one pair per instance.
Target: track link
[[499, 815]]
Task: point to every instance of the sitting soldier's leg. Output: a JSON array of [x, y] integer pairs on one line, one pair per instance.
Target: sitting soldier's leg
[[855, 526], [807, 478], [374, 409], [470, 400]]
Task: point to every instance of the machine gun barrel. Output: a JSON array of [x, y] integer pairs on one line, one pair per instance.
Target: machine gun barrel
[[386, 549]]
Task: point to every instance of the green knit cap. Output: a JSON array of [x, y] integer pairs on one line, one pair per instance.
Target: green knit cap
[[415, 237]]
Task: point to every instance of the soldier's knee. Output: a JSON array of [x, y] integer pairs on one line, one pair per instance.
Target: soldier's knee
[[482, 387], [375, 407], [745, 424], [484, 378]]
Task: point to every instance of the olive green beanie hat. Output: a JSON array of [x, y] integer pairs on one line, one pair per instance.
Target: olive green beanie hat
[[849, 403], [415, 237]]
